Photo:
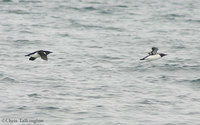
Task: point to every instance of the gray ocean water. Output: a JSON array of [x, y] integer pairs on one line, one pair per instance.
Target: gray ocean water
[[94, 75]]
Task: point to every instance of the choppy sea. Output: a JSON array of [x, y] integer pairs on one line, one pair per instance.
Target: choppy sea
[[94, 75]]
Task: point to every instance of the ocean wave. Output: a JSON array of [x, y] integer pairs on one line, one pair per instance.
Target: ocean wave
[[9, 80], [196, 80], [48, 108], [18, 12]]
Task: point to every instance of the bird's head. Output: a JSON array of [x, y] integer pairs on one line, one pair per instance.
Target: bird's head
[[162, 54], [48, 52]]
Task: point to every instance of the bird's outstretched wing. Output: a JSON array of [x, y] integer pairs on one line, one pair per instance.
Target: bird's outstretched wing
[[144, 57], [154, 51], [43, 55], [31, 53], [32, 58]]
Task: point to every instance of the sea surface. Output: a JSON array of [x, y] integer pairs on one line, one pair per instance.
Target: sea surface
[[94, 75]]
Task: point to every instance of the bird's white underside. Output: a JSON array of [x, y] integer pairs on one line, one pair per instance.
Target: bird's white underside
[[153, 57], [36, 55]]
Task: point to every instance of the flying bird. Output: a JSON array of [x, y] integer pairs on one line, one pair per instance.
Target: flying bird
[[153, 55], [40, 53]]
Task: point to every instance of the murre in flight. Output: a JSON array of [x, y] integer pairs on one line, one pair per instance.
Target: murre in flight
[[40, 53], [153, 55]]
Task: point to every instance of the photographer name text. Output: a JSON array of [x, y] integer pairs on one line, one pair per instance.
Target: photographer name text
[[21, 120]]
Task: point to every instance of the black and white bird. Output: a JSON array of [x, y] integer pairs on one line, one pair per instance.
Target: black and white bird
[[40, 53], [153, 55]]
